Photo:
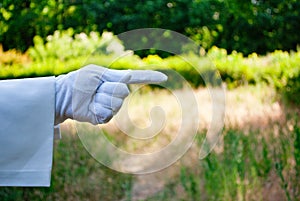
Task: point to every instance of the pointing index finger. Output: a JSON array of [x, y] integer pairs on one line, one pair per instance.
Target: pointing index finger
[[146, 77]]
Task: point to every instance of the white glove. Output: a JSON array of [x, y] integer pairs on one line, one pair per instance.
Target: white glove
[[94, 93]]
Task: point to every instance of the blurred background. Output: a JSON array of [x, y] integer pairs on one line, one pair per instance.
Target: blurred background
[[254, 45]]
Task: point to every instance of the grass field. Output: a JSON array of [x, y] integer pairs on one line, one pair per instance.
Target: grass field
[[257, 157]]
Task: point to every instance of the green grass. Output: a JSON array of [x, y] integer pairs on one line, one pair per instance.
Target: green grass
[[242, 171], [246, 168], [260, 163]]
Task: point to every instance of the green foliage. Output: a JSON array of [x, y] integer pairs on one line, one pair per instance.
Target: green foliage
[[65, 45], [279, 69], [190, 183], [65, 51], [244, 26], [271, 69], [292, 89], [297, 155], [242, 169], [243, 164]]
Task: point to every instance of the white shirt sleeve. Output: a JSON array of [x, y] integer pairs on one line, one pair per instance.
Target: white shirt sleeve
[[27, 111]]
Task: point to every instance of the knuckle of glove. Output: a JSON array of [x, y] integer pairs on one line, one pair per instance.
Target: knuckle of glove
[[115, 89], [108, 101], [103, 115], [116, 104], [106, 106], [122, 90]]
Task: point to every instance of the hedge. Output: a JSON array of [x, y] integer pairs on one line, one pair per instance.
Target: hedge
[[64, 52]]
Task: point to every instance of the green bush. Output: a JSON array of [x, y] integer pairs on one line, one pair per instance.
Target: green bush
[[231, 24], [65, 45], [65, 51]]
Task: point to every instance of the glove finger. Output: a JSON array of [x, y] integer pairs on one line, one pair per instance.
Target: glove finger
[[90, 77], [109, 102], [115, 89], [103, 115], [146, 77], [136, 76], [116, 75]]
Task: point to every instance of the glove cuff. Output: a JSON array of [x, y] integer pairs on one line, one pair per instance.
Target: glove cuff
[[63, 98]]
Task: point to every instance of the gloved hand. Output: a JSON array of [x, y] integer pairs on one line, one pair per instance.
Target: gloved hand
[[94, 93]]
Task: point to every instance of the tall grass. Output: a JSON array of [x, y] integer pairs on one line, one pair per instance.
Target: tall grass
[[250, 167]]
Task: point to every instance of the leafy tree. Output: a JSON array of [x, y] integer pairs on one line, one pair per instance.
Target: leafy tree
[[260, 26], [246, 26]]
